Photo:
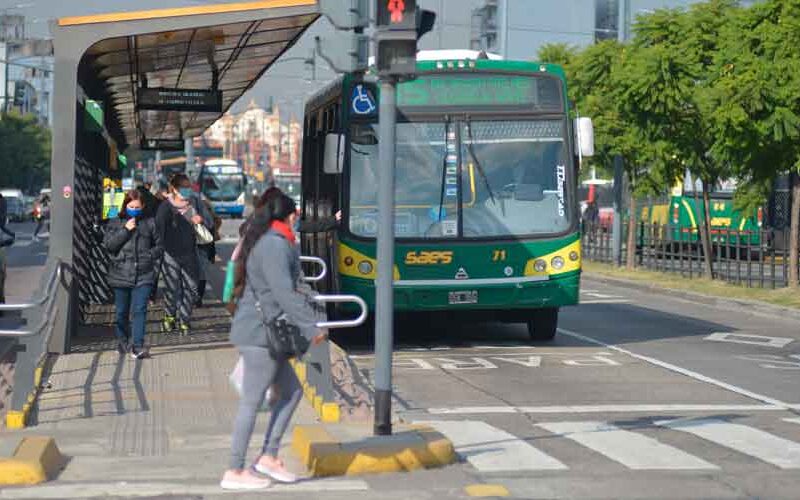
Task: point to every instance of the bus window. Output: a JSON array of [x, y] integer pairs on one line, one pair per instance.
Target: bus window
[[520, 169]]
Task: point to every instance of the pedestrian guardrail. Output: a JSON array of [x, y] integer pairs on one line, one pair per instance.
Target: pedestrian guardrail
[[314, 370], [30, 345], [748, 257], [323, 269]]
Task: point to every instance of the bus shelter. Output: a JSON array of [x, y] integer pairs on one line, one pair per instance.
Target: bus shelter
[[137, 81]]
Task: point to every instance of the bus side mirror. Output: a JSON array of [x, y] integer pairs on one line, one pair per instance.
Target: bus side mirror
[[333, 161], [584, 137]]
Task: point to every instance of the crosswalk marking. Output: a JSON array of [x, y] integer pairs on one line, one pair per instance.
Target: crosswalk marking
[[490, 449], [632, 450], [748, 440]]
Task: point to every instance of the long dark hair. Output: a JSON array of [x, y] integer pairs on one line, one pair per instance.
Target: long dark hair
[[277, 207]]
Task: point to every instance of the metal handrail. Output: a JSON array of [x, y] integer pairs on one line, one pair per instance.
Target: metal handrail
[[319, 262], [49, 298], [339, 299], [54, 276]]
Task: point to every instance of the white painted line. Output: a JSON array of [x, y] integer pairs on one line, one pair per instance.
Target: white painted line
[[683, 371], [794, 420], [131, 489], [604, 301], [490, 449], [742, 338], [622, 408], [631, 449], [748, 440]]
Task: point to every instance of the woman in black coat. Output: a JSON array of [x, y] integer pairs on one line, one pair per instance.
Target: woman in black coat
[[135, 249]]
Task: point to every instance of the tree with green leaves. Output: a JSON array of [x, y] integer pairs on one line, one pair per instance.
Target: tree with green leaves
[[557, 53], [757, 102], [24, 153], [667, 88]]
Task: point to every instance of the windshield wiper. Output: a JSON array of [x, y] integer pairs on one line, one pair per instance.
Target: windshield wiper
[[475, 159]]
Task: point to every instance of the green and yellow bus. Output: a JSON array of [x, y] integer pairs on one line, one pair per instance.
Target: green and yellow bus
[[486, 207]]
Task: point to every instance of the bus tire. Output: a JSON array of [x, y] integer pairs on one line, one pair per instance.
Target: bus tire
[[543, 326]]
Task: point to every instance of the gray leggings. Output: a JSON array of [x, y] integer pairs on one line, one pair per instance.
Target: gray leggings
[[261, 371]]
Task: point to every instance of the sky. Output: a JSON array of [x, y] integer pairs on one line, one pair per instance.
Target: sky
[[286, 82]]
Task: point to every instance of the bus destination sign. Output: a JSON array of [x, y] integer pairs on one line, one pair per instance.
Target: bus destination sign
[[162, 145], [163, 99], [481, 90]]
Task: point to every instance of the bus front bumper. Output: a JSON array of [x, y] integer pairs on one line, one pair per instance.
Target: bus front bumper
[[553, 292]]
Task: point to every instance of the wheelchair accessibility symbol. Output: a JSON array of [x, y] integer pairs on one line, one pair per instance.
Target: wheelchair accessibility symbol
[[362, 101]]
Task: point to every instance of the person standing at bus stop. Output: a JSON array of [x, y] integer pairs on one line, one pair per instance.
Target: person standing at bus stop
[[181, 271], [135, 249]]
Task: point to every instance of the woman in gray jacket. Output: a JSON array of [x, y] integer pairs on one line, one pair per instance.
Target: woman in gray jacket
[[268, 271], [134, 248]]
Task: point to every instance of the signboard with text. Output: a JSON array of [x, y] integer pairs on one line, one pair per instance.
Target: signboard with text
[[164, 99]]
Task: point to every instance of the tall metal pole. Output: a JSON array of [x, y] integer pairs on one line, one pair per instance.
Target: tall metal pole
[[384, 294], [619, 163]]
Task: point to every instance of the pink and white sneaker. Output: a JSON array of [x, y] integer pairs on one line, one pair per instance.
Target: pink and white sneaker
[[275, 468], [244, 480]]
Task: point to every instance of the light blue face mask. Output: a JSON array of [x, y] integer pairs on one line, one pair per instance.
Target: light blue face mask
[[186, 193], [133, 212]]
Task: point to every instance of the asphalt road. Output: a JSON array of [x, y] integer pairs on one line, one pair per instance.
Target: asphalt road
[[641, 395]]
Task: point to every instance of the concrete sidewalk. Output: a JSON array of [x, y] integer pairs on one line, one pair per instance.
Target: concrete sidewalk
[[162, 424]]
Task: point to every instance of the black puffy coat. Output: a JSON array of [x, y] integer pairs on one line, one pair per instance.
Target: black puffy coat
[[135, 255]]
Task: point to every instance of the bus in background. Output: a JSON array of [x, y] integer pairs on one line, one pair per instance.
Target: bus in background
[[486, 213], [223, 184]]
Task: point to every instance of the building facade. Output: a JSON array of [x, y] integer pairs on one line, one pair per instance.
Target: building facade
[[517, 29]]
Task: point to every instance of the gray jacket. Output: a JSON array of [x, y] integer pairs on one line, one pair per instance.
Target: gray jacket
[[274, 272]]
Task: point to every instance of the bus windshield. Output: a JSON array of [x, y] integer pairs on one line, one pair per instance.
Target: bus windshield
[[513, 179], [222, 187]]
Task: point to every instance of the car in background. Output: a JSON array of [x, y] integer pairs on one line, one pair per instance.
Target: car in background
[[15, 204]]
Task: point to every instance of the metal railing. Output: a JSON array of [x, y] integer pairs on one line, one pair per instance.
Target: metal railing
[[321, 263], [752, 258], [318, 358], [31, 345]]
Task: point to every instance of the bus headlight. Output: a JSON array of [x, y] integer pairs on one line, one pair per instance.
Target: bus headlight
[[364, 267], [540, 266], [557, 262], [573, 256]]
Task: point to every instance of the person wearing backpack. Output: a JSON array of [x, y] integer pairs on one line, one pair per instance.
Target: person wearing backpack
[[134, 247], [268, 275]]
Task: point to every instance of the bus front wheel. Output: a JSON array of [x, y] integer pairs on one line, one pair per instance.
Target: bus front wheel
[[544, 324]]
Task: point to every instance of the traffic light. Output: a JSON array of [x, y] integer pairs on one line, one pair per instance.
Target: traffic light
[[348, 49], [399, 25], [19, 93]]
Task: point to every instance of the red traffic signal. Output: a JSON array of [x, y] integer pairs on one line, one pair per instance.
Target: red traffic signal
[[397, 14]]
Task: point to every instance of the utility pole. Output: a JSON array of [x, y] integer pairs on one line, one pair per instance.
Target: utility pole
[[619, 163]]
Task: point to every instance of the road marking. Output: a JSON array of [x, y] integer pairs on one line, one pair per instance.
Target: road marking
[[154, 489], [748, 440], [577, 409], [631, 449], [487, 490], [528, 362], [773, 362], [794, 420], [488, 363], [601, 301], [490, 449], [683, 371], [464, 364], [742, 338]]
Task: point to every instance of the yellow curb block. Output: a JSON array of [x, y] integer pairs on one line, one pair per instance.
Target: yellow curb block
[[19, 419], [486, 490], [35, 460], [327, 411], [410, 449]]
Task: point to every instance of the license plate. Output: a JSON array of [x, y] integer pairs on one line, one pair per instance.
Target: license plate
[[469, 297]]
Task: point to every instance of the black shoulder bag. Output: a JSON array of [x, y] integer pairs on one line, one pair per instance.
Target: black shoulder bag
[[284, 338]]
